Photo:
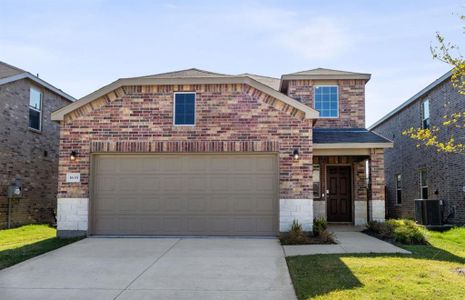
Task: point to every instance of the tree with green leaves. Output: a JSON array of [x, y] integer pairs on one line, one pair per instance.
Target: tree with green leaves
[[448, 53]]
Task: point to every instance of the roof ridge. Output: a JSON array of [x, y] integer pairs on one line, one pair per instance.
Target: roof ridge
[[180, 71]]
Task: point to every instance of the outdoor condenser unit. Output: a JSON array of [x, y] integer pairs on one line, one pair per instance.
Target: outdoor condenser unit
[[428, 212]]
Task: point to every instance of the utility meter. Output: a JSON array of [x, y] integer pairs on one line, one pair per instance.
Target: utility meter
[[15, 190]]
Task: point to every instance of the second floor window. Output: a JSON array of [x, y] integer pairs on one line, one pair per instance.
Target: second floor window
[[399, 189], [327, 101], [35, 109], [184, 109], [423, 184], [425, 122]]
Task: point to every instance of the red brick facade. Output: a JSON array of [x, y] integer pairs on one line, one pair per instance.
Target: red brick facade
[[351, 101], [229, 118]]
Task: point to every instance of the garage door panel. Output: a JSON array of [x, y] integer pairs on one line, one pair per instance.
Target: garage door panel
[[184, 195]]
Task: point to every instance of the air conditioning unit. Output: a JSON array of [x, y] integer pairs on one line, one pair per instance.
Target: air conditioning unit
[[428, 212]]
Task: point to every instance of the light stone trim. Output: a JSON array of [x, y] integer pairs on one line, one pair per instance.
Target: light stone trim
[[376, 210], [300, 210], [360, 212], [73, 214], [319, 209]]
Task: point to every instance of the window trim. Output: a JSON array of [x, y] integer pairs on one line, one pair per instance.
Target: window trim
[[314, 98], [174, 109], [398, 189], [422, 114], [40, 110], [420, 183], [319, 181]]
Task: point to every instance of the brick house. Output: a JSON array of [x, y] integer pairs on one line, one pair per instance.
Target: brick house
[[28, 145], [422, 173], [200, 153]]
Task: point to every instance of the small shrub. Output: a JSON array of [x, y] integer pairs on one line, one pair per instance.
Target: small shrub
[[319, 225], [327, 237], [383, 230], [403, 231], [296, 234]]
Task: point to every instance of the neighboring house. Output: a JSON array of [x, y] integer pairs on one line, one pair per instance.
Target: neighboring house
[[28, 145], [422, 173], [201, 153]]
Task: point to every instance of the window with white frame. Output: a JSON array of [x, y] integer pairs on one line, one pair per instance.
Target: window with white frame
[[399, 189], [316, 181], [423, 184], [184, 109], [327, 100], [425, 121], [35, 109]]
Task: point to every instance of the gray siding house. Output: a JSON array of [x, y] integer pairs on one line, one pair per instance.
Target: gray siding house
[[422, 173], [28, 145]]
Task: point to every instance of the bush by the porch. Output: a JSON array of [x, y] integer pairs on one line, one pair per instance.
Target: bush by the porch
[[398, 230]]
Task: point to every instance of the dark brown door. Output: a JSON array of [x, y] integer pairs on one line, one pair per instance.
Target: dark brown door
[[340, 195]]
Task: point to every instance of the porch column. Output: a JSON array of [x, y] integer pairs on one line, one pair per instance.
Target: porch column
[[361, 193], [376, 206]]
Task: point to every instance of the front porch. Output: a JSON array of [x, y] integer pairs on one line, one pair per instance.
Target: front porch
[[348, 176]]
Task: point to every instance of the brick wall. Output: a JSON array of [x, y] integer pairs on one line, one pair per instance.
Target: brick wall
[[32, 156], [229, 118], [446, 172], [351, 101]]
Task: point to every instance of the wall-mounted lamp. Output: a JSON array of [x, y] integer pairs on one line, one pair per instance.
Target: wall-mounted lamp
[[72, 156], [295, 154]]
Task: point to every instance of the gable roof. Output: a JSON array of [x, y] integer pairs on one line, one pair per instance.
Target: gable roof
[[7, 70], [188, 73], [269, 81], [322, 73], [412, 99], [189, 76], [9, 73]]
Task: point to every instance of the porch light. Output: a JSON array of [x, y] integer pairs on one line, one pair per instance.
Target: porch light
[[295, 154], [72, 156]]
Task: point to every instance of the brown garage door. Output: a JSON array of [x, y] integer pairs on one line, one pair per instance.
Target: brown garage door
[[185, 194]]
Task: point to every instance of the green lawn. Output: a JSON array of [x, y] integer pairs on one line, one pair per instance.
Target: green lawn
[[19, 244], [429, 273]]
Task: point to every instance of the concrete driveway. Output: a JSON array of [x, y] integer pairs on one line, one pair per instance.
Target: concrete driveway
[[153, 268]]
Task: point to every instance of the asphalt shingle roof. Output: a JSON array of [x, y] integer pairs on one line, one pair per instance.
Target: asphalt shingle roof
[[346, 135]]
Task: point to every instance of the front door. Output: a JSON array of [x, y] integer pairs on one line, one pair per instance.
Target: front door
[[339, 196]]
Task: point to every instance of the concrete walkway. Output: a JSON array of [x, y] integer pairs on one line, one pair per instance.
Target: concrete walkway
[[153, 268], [347, 242]]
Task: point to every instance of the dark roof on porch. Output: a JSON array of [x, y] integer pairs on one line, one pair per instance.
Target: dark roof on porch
[[346, 135]]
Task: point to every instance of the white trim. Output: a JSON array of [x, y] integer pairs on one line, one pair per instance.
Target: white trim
[[174, 109], [41, 93], [310, 113], [415, 97], [314, 99], [38, 81]]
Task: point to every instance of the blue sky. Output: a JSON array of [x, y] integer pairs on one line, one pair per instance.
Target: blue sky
[[80, 46]]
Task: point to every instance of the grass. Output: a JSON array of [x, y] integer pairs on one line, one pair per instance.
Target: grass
[[22, 243], [429, 273]]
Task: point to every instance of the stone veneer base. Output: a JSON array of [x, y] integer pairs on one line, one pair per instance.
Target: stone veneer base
[[319, 209], [360, 212], [300, 210], [376, 210], [73, 214]]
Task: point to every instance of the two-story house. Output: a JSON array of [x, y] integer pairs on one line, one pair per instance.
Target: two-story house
[[200, 153], [28, 146], [422, 173]]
